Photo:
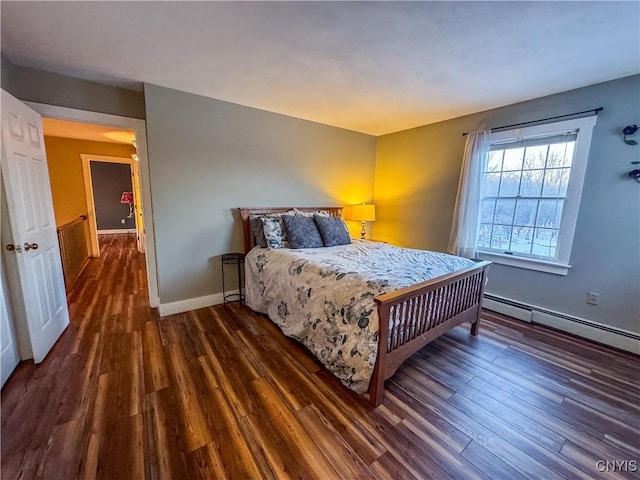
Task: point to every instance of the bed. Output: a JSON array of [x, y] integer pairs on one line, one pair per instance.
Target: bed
[[362, 309]]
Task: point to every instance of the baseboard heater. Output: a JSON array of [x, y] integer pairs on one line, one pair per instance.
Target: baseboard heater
[[598, 332]]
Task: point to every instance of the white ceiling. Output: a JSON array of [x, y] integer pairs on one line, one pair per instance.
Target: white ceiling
[[373, 67]]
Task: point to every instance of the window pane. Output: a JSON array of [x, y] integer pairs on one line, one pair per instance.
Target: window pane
[[531, 185], [568, 158], [564, 182], [513, 159], [544, 242], [525, 212], [559, 208], [488, 207], [494, 163], [522, 239], [491, 184], [549, 213], [535, 157], [501, 237], [510, 184], [504, 211], [484, 236], [552, 180], [560, 155]]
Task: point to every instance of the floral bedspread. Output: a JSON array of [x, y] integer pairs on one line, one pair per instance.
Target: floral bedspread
[[323, 297]]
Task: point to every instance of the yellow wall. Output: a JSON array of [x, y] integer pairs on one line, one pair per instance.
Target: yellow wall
[[416, 182], [65, 172]]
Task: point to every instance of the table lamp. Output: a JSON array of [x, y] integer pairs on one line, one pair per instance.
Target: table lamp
[[127, 197], [363, 213]]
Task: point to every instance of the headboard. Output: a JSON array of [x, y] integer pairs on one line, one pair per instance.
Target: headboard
[[249, 241]]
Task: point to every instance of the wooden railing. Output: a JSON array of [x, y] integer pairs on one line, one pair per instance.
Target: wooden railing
[[73, 248]]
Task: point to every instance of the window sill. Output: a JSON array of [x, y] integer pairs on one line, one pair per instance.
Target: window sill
[[528, 263]]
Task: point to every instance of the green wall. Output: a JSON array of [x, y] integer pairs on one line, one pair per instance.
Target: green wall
[[38, 86], [208, 157]]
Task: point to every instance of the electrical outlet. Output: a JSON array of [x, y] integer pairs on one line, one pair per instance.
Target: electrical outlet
[[593, 298], [123, 221]]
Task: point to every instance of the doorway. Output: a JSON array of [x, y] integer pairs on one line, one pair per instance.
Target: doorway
[[37, 300], [113, 198], [144, 206]]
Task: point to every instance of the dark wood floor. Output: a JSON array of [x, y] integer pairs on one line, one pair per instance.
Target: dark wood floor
[[220, 393]]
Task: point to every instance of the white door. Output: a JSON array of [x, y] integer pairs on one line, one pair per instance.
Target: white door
[[8, 350], [34, 268], [9, 357]]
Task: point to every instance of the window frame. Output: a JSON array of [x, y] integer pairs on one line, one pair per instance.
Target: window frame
[[567, 227]]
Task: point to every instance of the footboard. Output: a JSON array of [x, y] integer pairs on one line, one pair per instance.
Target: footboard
[[413, 316]]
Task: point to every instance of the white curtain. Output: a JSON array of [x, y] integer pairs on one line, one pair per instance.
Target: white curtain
[[466, 216]]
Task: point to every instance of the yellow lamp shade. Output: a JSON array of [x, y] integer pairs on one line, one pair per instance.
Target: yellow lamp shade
[[364, 213]]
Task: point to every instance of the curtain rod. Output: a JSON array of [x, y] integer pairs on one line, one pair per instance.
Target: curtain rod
[[594, 110]]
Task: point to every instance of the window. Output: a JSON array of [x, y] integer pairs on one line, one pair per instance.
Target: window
[[531, 187]]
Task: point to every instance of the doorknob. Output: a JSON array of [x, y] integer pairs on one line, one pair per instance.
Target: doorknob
[[13, 248], [30, 246]]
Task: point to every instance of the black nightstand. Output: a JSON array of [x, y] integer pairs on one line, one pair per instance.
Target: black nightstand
[[233, 259]]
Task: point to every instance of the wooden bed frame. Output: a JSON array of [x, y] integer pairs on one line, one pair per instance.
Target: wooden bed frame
[[411, 317]]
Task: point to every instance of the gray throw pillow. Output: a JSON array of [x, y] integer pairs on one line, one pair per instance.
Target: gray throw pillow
[[301, 232], [255, 221], [333, 231]]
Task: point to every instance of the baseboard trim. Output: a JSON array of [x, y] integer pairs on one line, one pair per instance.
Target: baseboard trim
[[598, 332], [115, 231], [182, 306]]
